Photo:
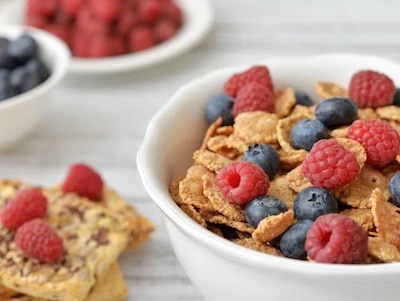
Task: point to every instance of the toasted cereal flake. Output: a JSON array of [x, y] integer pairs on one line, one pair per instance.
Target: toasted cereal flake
[[327, 89], [211, 160], [367, 113], [357, 193], [279, 188], [174, 191], [256, 127], [303, 110], [395, 125], [285, 100], [386, 218], [383, 251], [211, 131], [211, 191], [253, 244], [284, 129], [224, 130], [356, 148], [340, 132], [191, 188], [363, 217], [218, 218], [223, 145], [296, 179], [194, 214], [389, 112], [273, 226], [290, 160], [390, 169]]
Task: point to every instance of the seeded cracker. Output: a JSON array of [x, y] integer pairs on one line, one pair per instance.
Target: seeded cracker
[[273, 226], [211, 191], [382, 250], [256, 127], [191, 188], [386, 218], [328, 89], [285, 100], [93, 238]]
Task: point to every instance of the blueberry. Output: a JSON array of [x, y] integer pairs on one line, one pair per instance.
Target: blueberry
[[306, 132], [262, 207], [6, 61], [4, 43], [23, 48], [336, 111], [6, 90], [38, 67], [23, 80], [265, 156], [292, 241], [220, 105], [394, 188], [302, 98], [314, 201], [396, 98], [4, 74]]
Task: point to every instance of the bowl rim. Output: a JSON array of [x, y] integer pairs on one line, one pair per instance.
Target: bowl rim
[[58, 70], [222, 246]]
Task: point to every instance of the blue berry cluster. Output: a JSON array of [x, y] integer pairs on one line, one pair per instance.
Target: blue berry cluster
[[21, 68]]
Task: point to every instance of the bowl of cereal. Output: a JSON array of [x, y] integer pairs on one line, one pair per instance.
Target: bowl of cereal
[[327, 233], [32, 63]]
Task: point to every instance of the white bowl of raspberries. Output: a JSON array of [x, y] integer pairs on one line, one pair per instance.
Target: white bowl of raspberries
[[281, 180], [32, 63]]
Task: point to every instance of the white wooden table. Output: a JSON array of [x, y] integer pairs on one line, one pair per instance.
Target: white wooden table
[[102, 119]]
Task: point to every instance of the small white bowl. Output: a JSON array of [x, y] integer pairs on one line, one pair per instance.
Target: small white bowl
[[222, 270], [21, 113]]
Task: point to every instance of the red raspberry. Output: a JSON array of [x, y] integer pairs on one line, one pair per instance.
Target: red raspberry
[[127, 22], [40, 7], [164, 30], [107, 10], [253, 97], [330, 165], [336, 238], [149, 11], [36, 21], [380, 141], [141, 38], [258, 74], [71, 7], [371, 89], [27, 204], [84, 181], [242, 181], [39, 240], [172, 12], [117, 46], [99, 46]]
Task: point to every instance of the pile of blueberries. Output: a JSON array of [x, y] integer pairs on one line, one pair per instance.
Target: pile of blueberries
[[21, 67]]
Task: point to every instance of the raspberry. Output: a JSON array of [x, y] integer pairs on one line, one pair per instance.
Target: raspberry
[[71, 7], [371, 89], [107, 10], [141, 38], [149, 11], [84, 181], [164, 30], [258, 74], [330, 165], [40, 7], [172, 12], [253, 97], [27, 204], [39, 240], [336, 238], [380, 141], [242, 181], [99, 46]]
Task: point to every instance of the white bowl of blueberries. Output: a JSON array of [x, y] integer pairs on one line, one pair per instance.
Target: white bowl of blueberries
[[32, 63], [220, 267]]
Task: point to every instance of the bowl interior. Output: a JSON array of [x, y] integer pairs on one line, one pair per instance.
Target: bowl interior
[[178, 128]]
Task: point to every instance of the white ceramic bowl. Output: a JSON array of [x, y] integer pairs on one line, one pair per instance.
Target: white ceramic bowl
[[222, 270], [20, 114]]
